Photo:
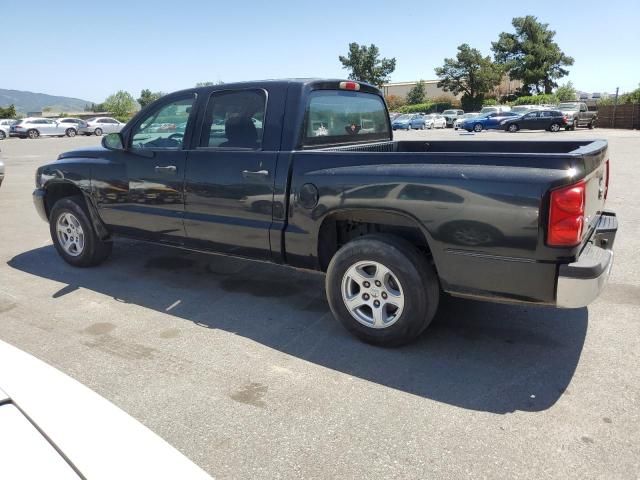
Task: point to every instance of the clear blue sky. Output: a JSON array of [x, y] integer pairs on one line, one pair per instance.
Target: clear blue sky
[[91, 49]]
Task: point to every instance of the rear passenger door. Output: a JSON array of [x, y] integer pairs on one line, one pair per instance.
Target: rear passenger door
[[230, 175], [530, 121]]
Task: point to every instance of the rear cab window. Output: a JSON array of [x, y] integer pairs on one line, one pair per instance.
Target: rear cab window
[[335, 117]]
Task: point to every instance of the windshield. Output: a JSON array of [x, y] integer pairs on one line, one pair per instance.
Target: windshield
[[449, 112], [403, 117], [569, 106]]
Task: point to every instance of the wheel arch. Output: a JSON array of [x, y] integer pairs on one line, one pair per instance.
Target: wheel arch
[[57, 190], [339, 227]]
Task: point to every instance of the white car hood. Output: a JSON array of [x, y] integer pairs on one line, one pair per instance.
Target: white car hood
[[51, 423]]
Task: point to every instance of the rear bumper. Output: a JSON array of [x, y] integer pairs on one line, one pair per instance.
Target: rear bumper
[[580, 282], [38, 202]]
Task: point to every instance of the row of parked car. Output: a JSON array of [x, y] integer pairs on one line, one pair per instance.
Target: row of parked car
[[567, 115], [34, 127]]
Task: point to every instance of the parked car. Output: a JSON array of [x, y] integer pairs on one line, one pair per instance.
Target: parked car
[[438, 121], [403, 122], [419, 122], [552, 120], [495, 109], [99, 125], [487, 121], [74, 125], [34, 127], [452, 115], [457, 124], [53, 427], [540, 235], [1, 171], [393, 115], [5, 126], [578, 115]]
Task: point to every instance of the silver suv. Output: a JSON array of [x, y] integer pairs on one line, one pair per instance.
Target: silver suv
[[34, 127]]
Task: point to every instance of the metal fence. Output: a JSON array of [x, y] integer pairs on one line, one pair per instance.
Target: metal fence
[[620, 116]]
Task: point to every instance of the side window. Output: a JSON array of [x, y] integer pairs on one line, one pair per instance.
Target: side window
[[531, 115], [546, 114], [234, 119], [159, 130]]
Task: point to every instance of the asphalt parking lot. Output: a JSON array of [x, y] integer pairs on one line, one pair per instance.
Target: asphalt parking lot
[[242, 367]]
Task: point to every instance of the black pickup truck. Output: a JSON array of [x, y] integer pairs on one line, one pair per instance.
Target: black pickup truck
[[306, 173]]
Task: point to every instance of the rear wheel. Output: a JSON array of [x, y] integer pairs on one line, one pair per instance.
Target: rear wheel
[[70, 132], [477, 127], [98, 131], [33, 133], [555, 127], [382, 289], [73, 234]]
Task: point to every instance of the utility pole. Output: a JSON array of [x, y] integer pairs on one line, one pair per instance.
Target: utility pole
[[615, 107]]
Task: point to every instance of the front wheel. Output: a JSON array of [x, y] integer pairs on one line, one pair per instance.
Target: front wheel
[[2, 135], [477, 127], [555, 127], [513, 128], [73, 234], [98, 131], [592, 124], [382, 289], [70, 132]]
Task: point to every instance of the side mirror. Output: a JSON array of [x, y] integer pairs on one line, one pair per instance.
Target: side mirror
[[113, 141]]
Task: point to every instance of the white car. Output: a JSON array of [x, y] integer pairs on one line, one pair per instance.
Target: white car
[[34, 127], [495, 109], [52, 427], [74, 125], [99, 125], [5, 126], [462, 118], [435, 120]]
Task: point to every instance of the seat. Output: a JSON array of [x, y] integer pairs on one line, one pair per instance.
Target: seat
[[240, 132]]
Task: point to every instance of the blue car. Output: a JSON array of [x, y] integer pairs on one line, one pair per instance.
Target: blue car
[[403, 122], [419, 122], [487, 121]]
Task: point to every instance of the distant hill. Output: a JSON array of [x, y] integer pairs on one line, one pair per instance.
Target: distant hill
[[35, 102]]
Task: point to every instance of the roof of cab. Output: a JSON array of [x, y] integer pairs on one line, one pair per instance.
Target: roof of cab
[[283, 83]]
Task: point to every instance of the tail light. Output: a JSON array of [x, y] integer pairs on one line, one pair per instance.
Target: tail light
[[349, 86], [606, 181], [566, 216]]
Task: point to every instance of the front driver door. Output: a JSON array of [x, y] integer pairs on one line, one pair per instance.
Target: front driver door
[[529, 121], [140, 191]]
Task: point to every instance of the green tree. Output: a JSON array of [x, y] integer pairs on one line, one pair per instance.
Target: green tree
[[531, 55], [8, 112], [147, 97], [394, 102], [417, 94], [121, 104], [365, 64], [566, 92], [469, 74]]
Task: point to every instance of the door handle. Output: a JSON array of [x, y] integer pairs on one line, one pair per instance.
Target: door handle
[[167, 169], [256, 174]]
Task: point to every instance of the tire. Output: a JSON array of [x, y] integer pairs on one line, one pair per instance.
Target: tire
[[554, 127], [513, 128], [2, 135], [592, 124], [33, 134], [87, 250], [477, 127], [410, 278], [98, 131], [574, 125], [71, 132]]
